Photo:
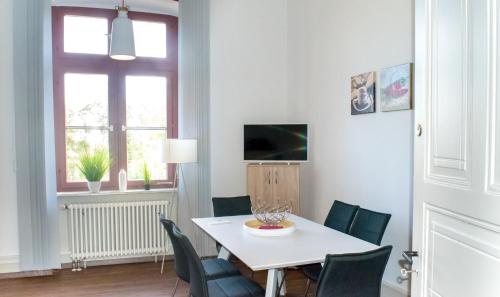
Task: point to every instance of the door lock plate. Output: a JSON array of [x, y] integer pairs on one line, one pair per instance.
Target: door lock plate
[[409, 255]]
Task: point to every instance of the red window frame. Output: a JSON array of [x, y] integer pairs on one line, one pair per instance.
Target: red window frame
[[116, 71]]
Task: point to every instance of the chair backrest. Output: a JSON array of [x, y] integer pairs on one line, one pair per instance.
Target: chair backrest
[[198, 280], [232, 206], [181, 261], [369, 225], [341, 216], [353, 274]]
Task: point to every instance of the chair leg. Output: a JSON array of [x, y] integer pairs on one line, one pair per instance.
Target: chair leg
[[175, 287], [162, 264], [281, 283], [307, 287]]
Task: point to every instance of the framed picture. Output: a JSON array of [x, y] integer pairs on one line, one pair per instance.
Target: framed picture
[[363, 93], [396, 88]]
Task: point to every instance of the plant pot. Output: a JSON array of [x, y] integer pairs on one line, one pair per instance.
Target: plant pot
[[147, 187], [94, 187]]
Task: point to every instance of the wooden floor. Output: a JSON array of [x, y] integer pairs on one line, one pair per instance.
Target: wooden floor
[[143, 279]]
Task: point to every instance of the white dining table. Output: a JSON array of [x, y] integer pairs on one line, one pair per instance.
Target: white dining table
[[309, 244]]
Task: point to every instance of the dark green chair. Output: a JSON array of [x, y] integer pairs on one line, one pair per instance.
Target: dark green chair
[[201, 286], [212, 268], [231, 206], [353, 274], [339, 218], [369, 225]]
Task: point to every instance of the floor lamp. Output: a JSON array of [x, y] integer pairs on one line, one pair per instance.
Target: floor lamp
[[178, 152]]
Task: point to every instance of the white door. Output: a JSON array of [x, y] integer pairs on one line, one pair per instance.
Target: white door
[[456, 223]]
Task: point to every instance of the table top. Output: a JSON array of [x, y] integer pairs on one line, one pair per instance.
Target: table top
[[310, 242]]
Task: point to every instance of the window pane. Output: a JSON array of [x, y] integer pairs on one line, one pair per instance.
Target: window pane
[[146, 101], [85, 35], [150, 39], [145, 146], [86, 99], [77, 141]]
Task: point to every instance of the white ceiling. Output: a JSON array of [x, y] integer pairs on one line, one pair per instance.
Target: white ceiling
[[154, 6]]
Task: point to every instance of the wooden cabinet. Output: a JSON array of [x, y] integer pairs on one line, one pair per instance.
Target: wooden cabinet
[[274, 183]]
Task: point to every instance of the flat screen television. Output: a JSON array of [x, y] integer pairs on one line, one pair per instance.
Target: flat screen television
[[280, 143]]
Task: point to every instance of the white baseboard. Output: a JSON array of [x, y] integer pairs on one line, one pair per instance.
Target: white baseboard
[[397, 289], [9, 264], [25, 274]]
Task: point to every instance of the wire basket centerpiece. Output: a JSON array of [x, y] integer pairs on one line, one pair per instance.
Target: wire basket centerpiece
[[271, 215]]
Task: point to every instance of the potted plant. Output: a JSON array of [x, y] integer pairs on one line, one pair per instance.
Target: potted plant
[[147, 177], [93, 166]]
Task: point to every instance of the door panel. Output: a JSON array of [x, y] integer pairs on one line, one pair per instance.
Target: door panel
[[286, 185], [449, 93], [493, 162], [461, 250], [456, 221], [259, 183]]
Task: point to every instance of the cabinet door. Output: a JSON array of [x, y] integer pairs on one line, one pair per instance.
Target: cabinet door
[[259, 183], [286, 186]]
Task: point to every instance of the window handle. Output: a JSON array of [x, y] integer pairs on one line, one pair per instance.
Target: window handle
[[111, 128], [124, 128]]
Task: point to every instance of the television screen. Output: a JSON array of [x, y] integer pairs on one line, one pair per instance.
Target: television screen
[[286, 142]]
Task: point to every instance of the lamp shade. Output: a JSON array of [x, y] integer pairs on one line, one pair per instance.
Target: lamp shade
[[122, 45], [180, 151]]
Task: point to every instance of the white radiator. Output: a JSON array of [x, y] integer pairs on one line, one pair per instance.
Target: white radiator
[[112, 230]]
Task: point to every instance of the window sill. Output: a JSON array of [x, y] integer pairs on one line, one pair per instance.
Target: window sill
[[112, 193]]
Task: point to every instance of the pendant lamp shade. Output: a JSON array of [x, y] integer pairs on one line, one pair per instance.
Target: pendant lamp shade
[[122, 45]]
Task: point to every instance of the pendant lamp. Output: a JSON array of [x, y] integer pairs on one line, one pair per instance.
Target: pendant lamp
[[122, 45]]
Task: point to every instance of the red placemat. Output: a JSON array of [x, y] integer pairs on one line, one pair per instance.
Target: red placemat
[[267, 227]]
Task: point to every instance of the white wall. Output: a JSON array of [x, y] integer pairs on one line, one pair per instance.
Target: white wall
[[248, 76], [364, 159], [9, 248]]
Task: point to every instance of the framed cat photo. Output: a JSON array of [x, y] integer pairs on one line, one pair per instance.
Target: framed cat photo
[[396, 88], [363, 93]]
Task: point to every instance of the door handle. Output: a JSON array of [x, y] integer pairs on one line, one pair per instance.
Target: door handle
[[406, 272], [409, 255], [276, 177], [419, 130], [269, 177]]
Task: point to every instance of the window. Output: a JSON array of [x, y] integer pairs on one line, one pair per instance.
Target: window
[[146, 124], [125, 107], [85, 35]]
